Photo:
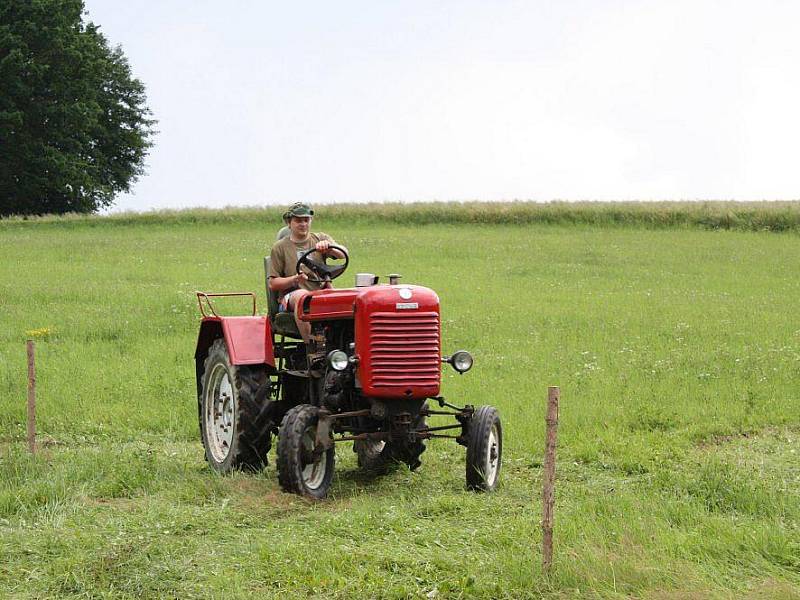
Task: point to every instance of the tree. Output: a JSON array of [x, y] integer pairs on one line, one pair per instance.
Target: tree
[[74, 126]]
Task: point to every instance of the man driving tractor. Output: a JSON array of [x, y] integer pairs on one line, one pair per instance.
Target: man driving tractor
[[284, 255], [368, 371]]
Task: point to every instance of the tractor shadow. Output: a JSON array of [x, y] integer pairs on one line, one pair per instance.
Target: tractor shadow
[[352, 482]]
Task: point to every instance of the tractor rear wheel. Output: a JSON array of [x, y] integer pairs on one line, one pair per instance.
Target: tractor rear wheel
[[299, 470], [234, 423], [484, 450]]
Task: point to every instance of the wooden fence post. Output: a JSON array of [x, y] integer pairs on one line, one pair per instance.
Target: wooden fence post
[[31, 398], [548, 495]]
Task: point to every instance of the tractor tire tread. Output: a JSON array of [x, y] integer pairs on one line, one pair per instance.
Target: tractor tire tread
[[289, 450], [480, 429]]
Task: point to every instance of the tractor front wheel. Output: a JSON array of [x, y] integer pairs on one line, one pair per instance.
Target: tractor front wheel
[[484, 450], [300, 470], [234, 423]]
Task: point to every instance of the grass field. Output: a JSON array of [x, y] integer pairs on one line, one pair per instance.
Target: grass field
[[677, 351]]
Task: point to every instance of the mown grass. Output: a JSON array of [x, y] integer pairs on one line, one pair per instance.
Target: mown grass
[[677, 352]]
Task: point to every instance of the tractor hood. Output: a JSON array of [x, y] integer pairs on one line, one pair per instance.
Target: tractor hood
[[397, 336], [346, 303]]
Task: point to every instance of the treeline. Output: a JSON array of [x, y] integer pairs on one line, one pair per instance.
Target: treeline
[[744, 216]]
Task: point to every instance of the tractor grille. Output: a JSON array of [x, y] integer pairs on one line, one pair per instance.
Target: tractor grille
[[405, 349]]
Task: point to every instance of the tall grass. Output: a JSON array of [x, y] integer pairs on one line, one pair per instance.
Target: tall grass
[[727, 215]]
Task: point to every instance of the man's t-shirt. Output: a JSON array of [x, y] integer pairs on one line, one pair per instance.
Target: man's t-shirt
[[284, 257]]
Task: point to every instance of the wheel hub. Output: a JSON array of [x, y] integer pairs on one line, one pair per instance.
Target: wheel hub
[[313, 466], [219, 418], [492, 455]]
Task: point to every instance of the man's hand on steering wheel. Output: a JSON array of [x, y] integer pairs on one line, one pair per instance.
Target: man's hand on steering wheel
[[322, 272], [325, 247]]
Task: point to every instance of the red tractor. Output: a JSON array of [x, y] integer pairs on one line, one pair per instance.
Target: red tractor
[[370, 374]]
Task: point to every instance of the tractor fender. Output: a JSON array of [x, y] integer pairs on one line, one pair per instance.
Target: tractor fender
[[248, 339]]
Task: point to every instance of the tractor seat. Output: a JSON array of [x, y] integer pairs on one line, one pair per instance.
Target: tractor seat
[[283, 323]]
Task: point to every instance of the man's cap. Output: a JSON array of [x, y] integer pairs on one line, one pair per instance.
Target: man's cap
[[298, 209]]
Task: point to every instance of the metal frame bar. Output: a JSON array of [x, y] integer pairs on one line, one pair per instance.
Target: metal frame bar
[[325, 438], [444, 427], [445, 413], [207, 297]]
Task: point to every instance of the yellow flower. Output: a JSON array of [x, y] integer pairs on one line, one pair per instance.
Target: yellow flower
[[41, 332]]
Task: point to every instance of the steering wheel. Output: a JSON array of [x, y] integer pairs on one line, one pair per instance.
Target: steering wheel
[[323, 272]]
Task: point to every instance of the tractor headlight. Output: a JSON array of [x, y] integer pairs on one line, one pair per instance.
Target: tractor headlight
[[461, 361], [337, 360]]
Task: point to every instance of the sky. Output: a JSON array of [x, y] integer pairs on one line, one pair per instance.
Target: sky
[[267, 103]]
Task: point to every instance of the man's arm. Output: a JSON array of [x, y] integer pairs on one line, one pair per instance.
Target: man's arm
[[278, 280], [278, 284]]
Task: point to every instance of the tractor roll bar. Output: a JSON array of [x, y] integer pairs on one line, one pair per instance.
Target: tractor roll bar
[[205, 296]]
